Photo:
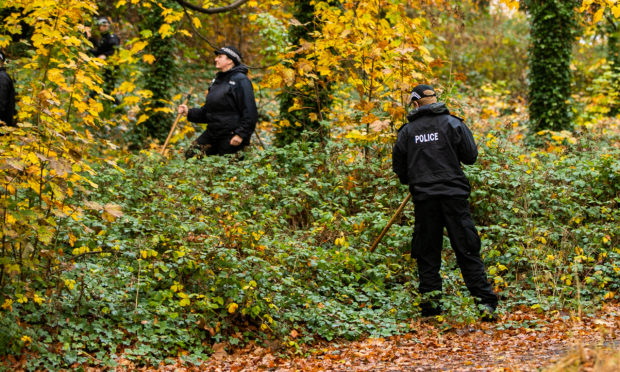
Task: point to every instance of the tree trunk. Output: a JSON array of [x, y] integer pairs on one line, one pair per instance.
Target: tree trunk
[[314, 99], [553, 26]]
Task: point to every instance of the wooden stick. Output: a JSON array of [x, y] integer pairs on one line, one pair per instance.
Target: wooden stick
[[174, 125], [387, 227], [262, 145]]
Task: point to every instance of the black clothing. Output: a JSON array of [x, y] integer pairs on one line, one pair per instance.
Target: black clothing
[[7, 98], [105, 45], [229, 109], [212, 146], [427, 156], [430, 218]]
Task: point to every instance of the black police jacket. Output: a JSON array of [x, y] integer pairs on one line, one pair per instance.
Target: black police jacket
[[7, 98], [230, 107], [105, 45], [429, 151]]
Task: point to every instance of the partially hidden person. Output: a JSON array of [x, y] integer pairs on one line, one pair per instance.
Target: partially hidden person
[[229, 109], [105, 45], [427, 156], [7, 96]]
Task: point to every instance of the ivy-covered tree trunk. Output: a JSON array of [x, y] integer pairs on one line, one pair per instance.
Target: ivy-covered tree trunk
[[314, 99], [159, 78], [553, 25]]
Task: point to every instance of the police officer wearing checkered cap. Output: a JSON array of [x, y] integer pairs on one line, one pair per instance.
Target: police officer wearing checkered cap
[[427, 156], [105, 45], [229, 109]]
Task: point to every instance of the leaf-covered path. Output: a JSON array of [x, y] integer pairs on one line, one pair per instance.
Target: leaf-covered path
[[521, 341]]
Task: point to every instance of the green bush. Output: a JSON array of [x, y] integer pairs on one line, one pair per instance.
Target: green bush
[[275, 246]]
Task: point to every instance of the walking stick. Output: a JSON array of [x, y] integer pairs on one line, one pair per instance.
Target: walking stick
[[176, 121], [259, 140], [387, 227]]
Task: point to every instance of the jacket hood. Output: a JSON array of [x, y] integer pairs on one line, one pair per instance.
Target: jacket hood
[[437, 108]]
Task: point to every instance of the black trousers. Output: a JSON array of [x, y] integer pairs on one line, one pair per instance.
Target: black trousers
[[206, 145], [431, 216]]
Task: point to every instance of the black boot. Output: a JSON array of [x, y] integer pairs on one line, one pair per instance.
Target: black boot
[[487, 313], [431, 308]]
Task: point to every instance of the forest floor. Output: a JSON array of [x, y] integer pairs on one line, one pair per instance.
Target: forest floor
[[524, 340]]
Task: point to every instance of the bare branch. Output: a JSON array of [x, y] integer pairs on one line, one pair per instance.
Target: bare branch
[[223, 9]]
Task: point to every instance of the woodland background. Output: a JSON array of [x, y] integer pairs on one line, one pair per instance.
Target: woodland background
[[110, 250]]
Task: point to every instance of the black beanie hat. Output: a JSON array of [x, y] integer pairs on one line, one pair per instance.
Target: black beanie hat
[[231, 52], [418, 92]]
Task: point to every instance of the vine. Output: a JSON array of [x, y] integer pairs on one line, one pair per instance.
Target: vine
[[553, 27]]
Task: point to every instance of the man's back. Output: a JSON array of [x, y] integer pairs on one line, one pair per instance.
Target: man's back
[[429, 150]]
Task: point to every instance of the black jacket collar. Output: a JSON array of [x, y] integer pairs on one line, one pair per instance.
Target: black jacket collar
[[438, 108], [239, 68]]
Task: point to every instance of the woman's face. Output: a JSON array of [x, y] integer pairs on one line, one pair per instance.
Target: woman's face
[[223, 63]]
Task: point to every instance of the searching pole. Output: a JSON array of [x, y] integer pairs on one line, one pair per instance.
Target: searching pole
[[176, 121], [387, 227]]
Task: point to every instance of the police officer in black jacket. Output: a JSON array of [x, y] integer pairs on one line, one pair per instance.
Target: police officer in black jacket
[[427, 156], [7, 96], [104, 47], [229, 109]]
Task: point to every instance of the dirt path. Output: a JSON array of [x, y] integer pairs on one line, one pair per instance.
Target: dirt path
[[504, 346]]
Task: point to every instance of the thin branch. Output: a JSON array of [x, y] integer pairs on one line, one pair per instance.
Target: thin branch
[[191, 24], [612, 22], [223, 9], [196, 32]]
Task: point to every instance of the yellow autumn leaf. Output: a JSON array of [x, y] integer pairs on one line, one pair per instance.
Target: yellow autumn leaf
[[184, 302], [8, 304], [148, 58], [10, 220], [142, 119], [138, 46], [131, 100], [232, 307], [598, 15], [165, 30], [609, 295], [38, 299]]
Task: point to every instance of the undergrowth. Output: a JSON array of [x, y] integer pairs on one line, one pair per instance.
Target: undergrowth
[[274, 245]]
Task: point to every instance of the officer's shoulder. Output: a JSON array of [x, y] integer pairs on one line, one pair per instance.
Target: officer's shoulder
[[458, 118], [237, 77], [403, 127], [455, 121]]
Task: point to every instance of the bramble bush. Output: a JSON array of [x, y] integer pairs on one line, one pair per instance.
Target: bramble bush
[[275, 246]]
